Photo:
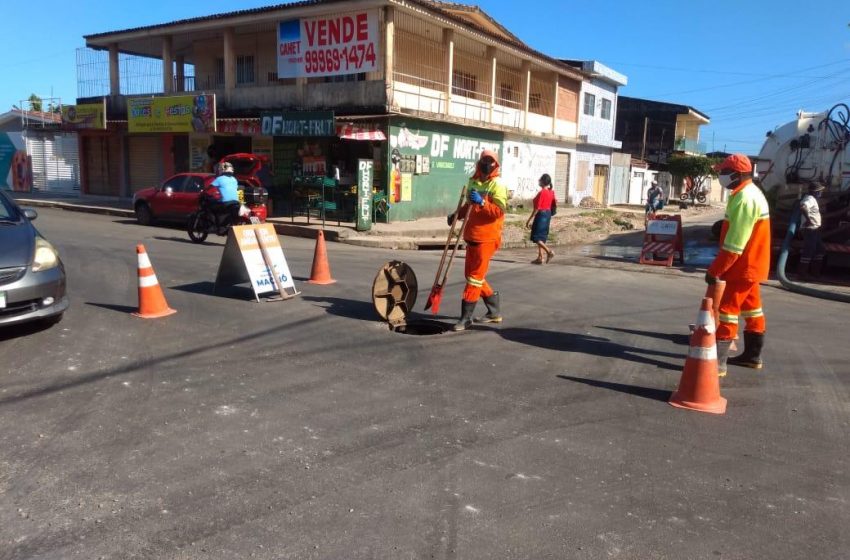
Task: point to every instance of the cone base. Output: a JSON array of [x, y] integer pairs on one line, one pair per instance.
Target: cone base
[[322, 282], [716, 407], [164, 313]]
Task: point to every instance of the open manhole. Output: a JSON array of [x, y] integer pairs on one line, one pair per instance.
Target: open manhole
[[394, 295]]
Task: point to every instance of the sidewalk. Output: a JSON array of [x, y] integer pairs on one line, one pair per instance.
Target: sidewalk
[[422, 234]]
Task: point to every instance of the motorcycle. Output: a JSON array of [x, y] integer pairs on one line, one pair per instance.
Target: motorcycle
[[695, 194], [211, 218]]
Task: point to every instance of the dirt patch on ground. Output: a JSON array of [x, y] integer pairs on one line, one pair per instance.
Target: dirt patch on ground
[[586, 226], [575, 229]]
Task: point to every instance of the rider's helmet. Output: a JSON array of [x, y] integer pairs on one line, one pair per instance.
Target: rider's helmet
[[225, 167]]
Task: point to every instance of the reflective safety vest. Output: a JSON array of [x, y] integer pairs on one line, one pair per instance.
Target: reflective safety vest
[[745, 238], [485, 222]]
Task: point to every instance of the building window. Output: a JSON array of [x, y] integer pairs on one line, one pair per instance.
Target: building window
[[245, 69], [606, 109], [464, 84], [535, 102], [589, 104], [361, 77], [219, 72]]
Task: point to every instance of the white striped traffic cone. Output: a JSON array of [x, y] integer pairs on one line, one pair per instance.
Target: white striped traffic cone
[[152, 302]]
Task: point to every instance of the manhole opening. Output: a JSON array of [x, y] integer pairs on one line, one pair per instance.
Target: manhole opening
[[420, 328]]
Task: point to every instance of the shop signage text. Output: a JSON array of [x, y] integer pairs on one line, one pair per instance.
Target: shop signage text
[[365, 173], [182, 113], [333, 45], [85, 116], [313, 124]]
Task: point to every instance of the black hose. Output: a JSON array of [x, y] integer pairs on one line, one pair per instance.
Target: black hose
[[783, 261]]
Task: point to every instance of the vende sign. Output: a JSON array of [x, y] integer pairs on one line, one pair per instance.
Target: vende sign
[[333, 45]]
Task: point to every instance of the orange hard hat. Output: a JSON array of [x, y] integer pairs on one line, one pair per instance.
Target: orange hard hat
[[737, 163]]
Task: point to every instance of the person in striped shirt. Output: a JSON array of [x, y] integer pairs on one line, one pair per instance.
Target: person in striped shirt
[[742, 262]]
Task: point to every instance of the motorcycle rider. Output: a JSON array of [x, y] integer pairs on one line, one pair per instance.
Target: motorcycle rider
[[743, 262], [228, 187]]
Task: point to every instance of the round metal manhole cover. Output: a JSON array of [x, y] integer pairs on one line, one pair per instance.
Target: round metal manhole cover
[[394, 292]]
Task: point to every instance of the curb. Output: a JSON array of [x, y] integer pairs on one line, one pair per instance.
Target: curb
[[103, 210]]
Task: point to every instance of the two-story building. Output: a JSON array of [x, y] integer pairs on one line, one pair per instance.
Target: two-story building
[[419, 87]]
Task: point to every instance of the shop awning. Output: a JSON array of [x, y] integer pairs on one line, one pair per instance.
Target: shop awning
[[350, 131]]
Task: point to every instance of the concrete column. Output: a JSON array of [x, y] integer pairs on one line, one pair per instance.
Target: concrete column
[[449, 42], [526, 88], [229, 64], [181, 73], [389, 53], [555, 103], [491, 56], [114, 72], [167, 66]]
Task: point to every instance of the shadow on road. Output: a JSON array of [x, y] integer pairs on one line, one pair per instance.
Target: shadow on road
[[681, 339], [645, 392], [348, 308], [112, 307], [590, 345], [187, 240], [207, 288], [26, 329]]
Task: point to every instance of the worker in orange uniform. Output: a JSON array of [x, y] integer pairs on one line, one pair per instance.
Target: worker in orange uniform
[[488, 198], [743, 262]]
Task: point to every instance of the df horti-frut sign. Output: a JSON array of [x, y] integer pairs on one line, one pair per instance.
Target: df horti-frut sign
[[332, 45], [365, 174]]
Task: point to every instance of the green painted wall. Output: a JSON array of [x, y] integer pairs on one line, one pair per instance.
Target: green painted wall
[[452, 151]]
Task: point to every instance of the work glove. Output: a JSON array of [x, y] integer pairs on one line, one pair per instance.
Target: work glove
[[476, 198], [449, 219], [709, 279]]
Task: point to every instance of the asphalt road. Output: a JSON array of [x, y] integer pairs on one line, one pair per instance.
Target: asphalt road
[[306, 429]]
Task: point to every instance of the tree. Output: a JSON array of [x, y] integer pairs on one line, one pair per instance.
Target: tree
[[699, 168], [35, 102]]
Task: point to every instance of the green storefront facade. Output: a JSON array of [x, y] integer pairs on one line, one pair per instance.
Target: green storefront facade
[[428, 164]]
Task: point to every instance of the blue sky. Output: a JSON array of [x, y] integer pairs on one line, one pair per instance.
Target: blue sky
[[748, 64]]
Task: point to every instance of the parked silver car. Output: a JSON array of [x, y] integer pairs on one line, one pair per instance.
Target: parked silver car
[[32, 277]]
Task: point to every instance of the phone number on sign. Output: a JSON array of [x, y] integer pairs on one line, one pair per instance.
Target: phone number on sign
[[353, 57]]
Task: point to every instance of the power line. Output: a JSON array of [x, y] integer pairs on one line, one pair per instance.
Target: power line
[[692, 70]]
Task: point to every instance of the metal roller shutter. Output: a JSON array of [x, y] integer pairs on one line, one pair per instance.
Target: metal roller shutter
[[96, 150], [55, 162], [145, 162]]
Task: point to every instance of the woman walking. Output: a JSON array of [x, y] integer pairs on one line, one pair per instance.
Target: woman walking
[[544, 202]]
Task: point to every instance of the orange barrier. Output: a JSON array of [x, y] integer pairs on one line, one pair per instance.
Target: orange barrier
[[663, 236], [699, 386], [321, 271], [152, 304]]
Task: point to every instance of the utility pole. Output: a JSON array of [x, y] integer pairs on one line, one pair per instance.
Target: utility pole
[[643, 147]]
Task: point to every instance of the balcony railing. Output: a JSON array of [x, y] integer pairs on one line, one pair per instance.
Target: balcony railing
[[689, 146]]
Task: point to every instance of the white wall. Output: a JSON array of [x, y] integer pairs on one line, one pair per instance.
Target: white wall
[[526, 159], [579, 190], [598, 130]]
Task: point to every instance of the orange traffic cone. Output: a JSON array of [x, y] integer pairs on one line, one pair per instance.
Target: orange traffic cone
[[152, 302], [699, 386], [321, 272]]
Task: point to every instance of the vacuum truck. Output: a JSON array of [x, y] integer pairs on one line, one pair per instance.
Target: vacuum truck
[[814, 147]]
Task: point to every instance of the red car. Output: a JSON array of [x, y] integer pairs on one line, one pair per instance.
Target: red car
[[177, 197], [174, 200]]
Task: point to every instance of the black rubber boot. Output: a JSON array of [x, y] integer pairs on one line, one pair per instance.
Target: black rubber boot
[[751, 356], [722, 355], [817, 267], [466, 310], [494, 311]]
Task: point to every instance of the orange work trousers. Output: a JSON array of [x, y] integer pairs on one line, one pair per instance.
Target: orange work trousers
[[478, 257], [741, 298]]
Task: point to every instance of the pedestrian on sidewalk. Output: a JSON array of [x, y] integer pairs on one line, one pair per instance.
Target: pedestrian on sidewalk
[[540, 218], [487, 204], [743, 262], [811, 261]]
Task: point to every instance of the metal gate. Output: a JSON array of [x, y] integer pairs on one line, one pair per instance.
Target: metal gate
[[600, 181], [562, 176], [55, 162], [618, 186]]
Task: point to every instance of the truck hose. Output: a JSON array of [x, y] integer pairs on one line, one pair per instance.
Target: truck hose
[[783, 261]]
